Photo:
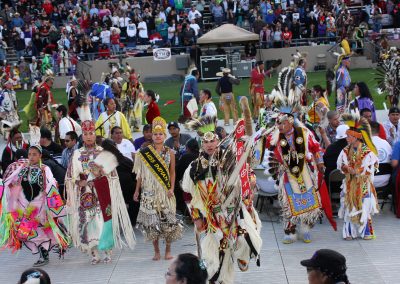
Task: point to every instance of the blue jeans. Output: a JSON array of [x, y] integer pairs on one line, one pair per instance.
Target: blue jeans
[[115, 48]]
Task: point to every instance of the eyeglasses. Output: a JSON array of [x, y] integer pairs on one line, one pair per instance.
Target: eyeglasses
[[169, 274]]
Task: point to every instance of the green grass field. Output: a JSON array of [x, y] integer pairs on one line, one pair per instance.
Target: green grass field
[[170, 91]]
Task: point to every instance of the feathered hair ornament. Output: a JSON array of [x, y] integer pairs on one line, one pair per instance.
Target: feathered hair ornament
[[204, 126], [345, 53], [359, 128], [48, 75]]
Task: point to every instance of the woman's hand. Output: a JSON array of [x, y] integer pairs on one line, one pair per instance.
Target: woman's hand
[[136, 196], [170, 193]]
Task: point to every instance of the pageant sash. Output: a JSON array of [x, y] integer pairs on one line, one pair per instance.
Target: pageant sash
[[156, 165]]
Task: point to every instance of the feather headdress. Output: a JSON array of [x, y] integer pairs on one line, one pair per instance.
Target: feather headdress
[[82, 99], [204, 126], [388, 74], [345, 53], [359, 128]]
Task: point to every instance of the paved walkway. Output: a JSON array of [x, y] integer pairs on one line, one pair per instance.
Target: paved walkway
[[375, 261]]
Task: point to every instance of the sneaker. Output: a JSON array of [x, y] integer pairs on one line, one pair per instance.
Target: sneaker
[[41, 262], [289, 239], [370, 237], [307, 237], [94, 261], [107, 259]]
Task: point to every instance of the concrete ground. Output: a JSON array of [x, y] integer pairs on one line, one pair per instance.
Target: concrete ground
[[375, 261]]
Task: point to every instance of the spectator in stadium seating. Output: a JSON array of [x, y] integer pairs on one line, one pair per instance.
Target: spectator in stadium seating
[[218, 14], [115, 41], [194, 14], [265, 37], [143, 34], [287, 37]]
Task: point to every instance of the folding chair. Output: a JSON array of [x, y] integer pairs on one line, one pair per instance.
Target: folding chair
[[334, 182], [266, 188], [383, 192]]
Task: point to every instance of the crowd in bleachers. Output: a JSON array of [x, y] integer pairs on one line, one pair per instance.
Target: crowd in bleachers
[[58, 34]]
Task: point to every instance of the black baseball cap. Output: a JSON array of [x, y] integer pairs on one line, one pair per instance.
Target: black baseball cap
[[394, 110], [174, 124], [328, 261]]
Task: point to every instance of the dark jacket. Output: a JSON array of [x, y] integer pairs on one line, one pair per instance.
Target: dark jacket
[[331, 155]]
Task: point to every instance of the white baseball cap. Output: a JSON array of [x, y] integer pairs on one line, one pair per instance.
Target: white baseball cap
[[341, 131]]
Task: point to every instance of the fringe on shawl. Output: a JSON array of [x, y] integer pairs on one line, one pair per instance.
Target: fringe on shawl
[[72, 202], [121, 223]]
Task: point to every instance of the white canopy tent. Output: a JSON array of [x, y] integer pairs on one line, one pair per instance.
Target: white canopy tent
[[227, 33]]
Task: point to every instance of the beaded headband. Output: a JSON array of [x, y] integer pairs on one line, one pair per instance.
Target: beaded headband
[[88, 126]]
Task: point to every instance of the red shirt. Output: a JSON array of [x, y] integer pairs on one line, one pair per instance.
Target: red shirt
[[257, 80], [287, 35], [48, 8], [114, 38], [152, 112], [382, 133]]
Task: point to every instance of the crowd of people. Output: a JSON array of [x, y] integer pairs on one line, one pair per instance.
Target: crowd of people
[[56, 35]]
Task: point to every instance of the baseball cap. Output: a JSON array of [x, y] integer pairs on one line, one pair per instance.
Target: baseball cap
[[174, 124], [394, 110], [328, 261], [341, 131]]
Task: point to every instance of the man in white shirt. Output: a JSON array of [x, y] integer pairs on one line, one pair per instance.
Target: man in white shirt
[[195, 27], [384, 155], [124, 145], [123, 24], [193, 14], [131, 33], [105, 36], [208, 107], [392, 126], [66, 124], [143, 36]]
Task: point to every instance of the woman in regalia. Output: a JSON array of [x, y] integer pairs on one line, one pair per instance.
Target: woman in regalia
[[31, 208], [155, 172], [97, 212]]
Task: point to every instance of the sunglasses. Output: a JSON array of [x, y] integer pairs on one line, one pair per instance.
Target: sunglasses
[[67, 141]]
